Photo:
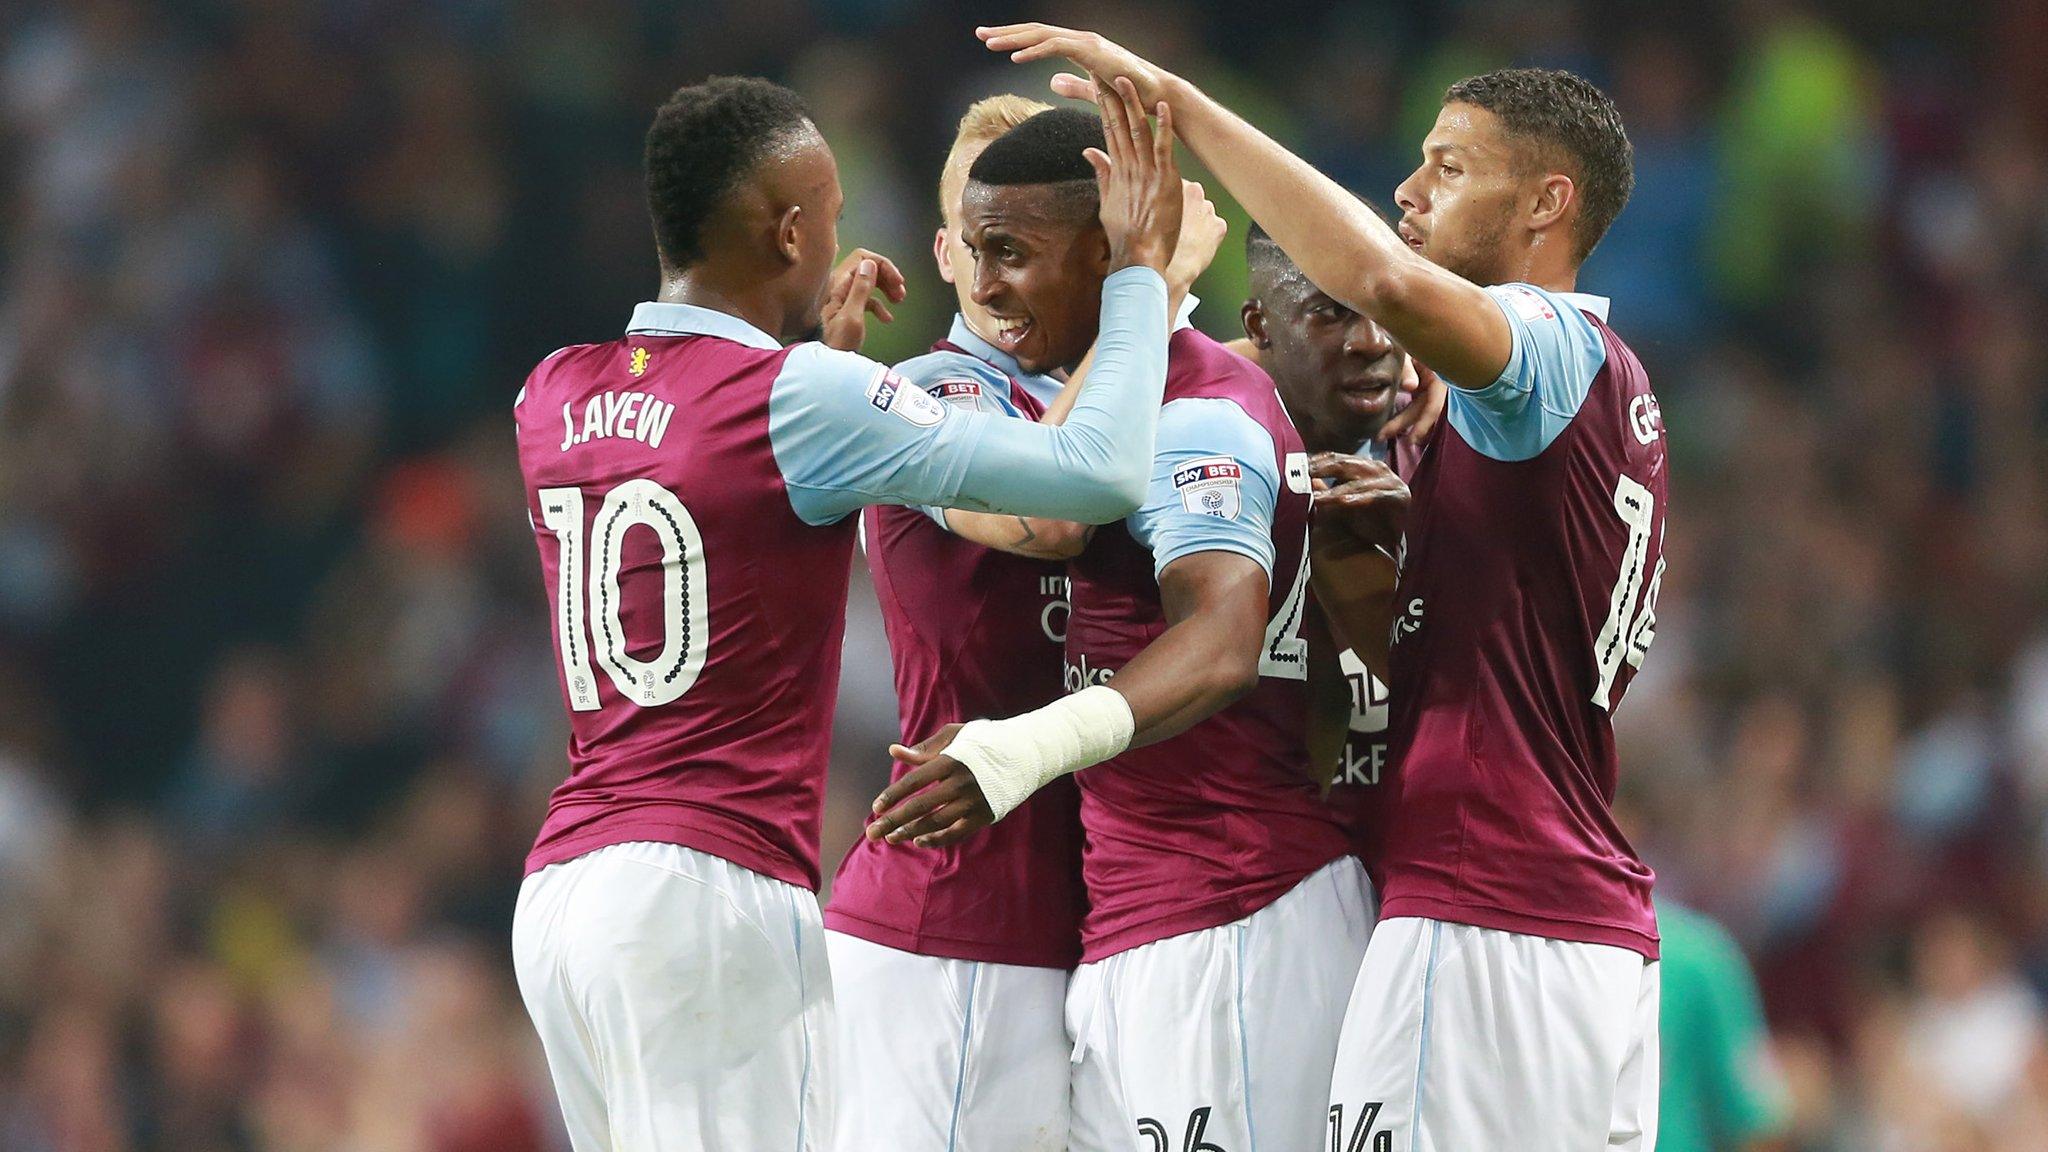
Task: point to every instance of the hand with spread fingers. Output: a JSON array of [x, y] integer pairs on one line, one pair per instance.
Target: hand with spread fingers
[[1201, 233], [1138, 178], [1105, 60], [850, 297], [1360, 498], [1427, 395], [938, 802]]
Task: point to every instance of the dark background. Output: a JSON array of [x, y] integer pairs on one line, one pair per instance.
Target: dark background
[[277, 712]]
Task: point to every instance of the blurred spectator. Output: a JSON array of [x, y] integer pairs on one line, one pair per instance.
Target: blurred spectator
[[1720, 1090], [278, 711]]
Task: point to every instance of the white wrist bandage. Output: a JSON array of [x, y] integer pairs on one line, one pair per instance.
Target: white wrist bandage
[[1013, 758]]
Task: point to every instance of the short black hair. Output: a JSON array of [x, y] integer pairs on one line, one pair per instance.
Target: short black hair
[[1046, 149], [1565, 112], [1264, 258], [703, 141]]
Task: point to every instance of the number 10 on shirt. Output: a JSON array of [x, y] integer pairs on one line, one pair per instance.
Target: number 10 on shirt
[[584, 582]]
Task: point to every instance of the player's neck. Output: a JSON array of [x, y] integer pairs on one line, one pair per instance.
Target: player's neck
[[758, 307], [1543, 267]]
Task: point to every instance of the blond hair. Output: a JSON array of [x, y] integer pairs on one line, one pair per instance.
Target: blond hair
[[985, 120]]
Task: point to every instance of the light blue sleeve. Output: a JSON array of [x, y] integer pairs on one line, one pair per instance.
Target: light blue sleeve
[[962, 381], [848, 432], [1557, 353], [1214, 485]]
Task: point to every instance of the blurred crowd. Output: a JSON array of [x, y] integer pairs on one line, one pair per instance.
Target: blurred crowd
[[277, 713]]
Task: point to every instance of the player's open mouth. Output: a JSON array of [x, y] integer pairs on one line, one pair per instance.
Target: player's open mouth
[[1366, 396], [1413, 238], [1011, 331]]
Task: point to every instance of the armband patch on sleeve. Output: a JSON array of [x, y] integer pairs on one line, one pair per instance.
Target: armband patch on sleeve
[[961, 392], [1210, 486], [889, 392]]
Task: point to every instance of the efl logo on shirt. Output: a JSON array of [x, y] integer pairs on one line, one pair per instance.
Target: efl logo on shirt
[[1210, 486], [889, 392], [961, 393]]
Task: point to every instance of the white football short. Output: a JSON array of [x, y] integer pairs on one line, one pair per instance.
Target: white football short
[[942, 1055], [1459, 1038], [1223, 1038], [684, 1002]]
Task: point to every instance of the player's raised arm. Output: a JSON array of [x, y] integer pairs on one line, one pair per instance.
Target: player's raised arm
[[848, 432], [1044, 538], [1342, 246]]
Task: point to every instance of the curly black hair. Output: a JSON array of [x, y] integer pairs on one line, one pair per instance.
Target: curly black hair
[[702, 142], [1567, 116], [1046, 149]]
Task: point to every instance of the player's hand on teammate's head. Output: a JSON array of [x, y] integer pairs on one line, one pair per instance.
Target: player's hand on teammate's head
[[938, 802], [1138, 179], [1427, 395], [1358, 499], [851, 295], [1103, 58], [1201, 233]]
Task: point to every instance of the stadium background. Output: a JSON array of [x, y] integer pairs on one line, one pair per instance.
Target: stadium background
[[277, 716]]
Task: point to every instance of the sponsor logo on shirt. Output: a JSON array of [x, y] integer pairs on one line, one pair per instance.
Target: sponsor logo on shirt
[[1409, 622], [1079, 675], [963, 393], [1365, 751], [889, 392], [1210, 486], [1052, 619]]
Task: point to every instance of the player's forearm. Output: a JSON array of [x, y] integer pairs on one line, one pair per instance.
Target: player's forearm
[[1356, 596], [1195, 669], [1329, 701], [1062, 405], [1116, 399], [1029, 536], [1343, 246], [1092, 469]]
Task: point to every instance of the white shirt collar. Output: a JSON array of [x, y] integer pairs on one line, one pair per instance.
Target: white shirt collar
[[1585, 302], [653, 318]]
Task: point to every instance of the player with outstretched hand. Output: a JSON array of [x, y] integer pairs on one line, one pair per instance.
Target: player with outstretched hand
[[1509, 998], [1226, 916], [949, 964], [692, 489]]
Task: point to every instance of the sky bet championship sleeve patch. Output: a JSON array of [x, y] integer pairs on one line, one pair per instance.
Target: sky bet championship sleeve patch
[[1209, 486], [889, 392], [960, 392]]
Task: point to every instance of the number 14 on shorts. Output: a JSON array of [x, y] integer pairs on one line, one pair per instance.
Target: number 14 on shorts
[[1361, 1137]]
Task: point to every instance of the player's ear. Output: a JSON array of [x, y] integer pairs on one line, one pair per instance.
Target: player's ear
[[1253, 318], [788, 242], [1553, 197], [1099, 237], [939, 254]]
